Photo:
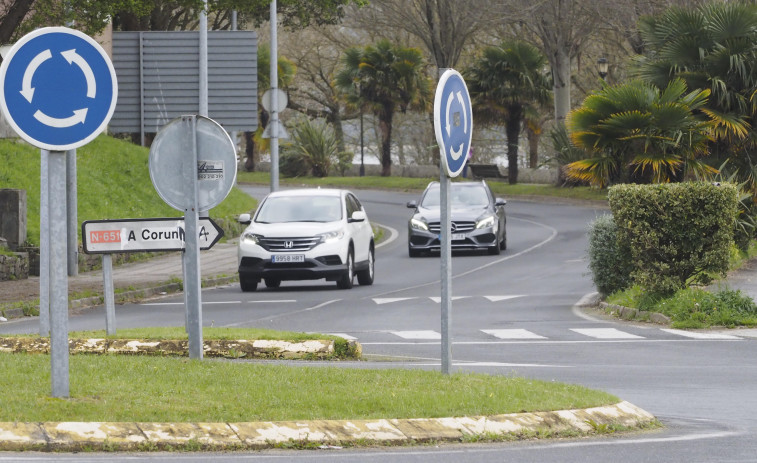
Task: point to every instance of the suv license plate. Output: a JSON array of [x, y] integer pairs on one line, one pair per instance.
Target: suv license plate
[[287, 258], [458, 236]]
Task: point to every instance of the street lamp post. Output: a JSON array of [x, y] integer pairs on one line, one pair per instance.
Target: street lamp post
[[603, 67]]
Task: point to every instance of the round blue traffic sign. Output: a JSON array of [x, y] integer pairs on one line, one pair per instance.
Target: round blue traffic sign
[[59, 88], [453, 121]]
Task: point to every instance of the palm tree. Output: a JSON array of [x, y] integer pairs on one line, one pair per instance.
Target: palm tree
[[711, 47], [638, 133], [505, 83], [383, 78]]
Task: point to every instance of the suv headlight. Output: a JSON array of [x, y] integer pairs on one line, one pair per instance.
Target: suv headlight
[[250, 238], [486, 222], [418, 224], [330, 237]]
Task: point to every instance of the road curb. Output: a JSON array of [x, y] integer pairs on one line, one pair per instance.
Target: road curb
[[127, 436]]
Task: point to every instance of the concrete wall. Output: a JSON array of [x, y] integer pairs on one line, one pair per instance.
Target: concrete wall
[[13, 217]]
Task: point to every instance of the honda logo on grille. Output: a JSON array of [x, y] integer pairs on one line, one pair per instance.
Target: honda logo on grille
[[289, 244]]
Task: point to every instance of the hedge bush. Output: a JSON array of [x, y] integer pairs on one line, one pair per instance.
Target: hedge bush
[[609, 259], [679, 233]]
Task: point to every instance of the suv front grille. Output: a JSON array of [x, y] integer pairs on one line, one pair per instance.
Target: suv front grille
[[288, 244], [459, 226]]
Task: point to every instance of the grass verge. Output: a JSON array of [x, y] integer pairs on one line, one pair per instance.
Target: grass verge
[[103, 388], [419, 184], [698, 308]]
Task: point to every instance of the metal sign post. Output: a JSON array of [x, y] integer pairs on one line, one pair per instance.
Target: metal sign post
[[58, 91], [193, 168], [453, 124]]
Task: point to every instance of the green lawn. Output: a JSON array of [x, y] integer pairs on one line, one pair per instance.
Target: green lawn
[[164, 389], [113, 182]]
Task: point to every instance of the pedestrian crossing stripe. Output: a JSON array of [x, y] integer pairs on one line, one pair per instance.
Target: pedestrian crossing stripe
[[513, 334], [700, 335], [423, 334], [605, 333]]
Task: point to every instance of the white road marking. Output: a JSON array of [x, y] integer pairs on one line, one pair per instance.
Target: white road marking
[[438, 300], [605, 333], [513, 334], [503, 298], [393, 235], [423, 334], [343, 335], [700, 335], [389, 300]]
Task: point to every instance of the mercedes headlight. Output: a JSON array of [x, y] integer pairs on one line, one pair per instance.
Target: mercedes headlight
[[418, 224], [330, 237], [486, 222]]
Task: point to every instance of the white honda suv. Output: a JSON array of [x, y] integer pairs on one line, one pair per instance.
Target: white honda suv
[[306, 234]]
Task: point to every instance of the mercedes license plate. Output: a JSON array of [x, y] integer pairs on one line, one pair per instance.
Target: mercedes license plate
[[287, 258], [458, 236]]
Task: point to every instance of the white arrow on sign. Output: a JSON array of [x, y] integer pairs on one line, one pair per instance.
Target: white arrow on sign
[[78, 118], [26, 84], [144, 235], [73, 57]]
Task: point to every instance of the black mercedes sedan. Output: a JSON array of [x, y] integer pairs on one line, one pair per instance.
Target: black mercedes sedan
[[477, 219]]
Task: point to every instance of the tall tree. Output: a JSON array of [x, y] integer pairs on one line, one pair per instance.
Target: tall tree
[[384, 78], [636, 132], [712, 47], [504, 82]]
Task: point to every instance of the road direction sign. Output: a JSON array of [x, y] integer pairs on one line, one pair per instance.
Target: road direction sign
[[140, 235], [58, 88], [215, 164], [453, 121]]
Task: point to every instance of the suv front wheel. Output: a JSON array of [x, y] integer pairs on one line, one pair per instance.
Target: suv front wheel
[[365, 277], [345, 281]]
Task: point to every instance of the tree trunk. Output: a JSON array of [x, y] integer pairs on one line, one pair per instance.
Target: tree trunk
[[249, 151], [533, 134], [385, 126], [15, 14], [561, 73], [512, 131]]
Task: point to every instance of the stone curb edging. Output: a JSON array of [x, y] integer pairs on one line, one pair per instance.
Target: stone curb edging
[[233, 349], [628, 313], [124, 436]]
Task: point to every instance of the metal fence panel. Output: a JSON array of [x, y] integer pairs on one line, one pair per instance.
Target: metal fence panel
[[158, 79]]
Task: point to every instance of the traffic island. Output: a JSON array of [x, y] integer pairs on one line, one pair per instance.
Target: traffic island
[[233, 349], [102, 436]]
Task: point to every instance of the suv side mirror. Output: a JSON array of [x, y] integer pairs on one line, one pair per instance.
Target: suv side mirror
[[244, 218], [412, 204], [499, 202], [357, 216]]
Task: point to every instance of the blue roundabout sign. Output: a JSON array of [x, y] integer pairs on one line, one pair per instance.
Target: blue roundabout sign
[[58, 88], [453, 121]]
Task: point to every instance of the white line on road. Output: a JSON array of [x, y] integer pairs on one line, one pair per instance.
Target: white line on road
[[699, 335], [605, 333], [513, 334]]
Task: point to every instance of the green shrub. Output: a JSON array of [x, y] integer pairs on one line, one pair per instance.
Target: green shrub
[[292, 164], [316, 145], [697, 308], [609, 259], [679, 234]]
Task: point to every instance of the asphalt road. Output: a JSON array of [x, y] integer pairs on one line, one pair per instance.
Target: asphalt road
[[512, 314]]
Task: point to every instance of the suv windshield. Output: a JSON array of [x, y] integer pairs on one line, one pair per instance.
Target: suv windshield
[[300, 209], [460, 196]]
